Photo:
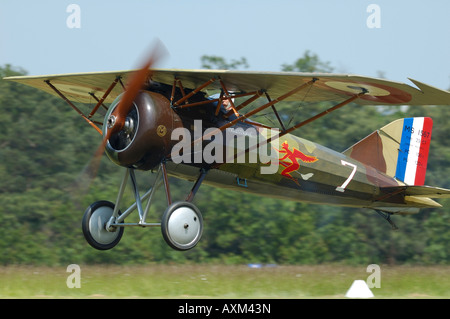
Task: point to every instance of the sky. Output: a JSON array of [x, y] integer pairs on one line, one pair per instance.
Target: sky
[[399, 39]]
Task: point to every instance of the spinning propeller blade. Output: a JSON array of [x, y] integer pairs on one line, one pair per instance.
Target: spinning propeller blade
[[134, 85]]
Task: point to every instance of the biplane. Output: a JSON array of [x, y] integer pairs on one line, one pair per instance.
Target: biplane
[[199, 125]]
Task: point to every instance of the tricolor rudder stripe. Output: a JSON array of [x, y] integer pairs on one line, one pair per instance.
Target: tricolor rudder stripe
[[413, 152]]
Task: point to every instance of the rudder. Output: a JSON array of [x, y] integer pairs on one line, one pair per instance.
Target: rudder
[[399, 149], [413, 151]]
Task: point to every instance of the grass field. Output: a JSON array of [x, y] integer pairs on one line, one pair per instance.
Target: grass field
[[214, 281]]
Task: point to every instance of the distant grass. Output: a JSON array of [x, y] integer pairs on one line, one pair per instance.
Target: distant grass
[[214, 281]]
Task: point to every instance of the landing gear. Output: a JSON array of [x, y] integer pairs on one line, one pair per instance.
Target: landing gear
[[94, 224], [181, 224]]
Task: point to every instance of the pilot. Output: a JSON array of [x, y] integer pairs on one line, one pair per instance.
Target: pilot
[[226, 107]]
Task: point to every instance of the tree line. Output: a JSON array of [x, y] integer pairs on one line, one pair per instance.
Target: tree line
[[44, 149]]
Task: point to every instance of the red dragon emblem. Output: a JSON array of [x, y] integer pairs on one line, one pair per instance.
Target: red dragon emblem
[[290, 160]]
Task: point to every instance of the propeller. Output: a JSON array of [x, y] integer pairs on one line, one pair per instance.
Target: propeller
[[117, 119], [136, 81]]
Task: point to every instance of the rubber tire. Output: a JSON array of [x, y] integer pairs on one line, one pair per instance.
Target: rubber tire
[[171, 223], [101, 211]]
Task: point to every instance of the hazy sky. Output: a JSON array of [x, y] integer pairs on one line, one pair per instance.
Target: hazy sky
[[401, 38]]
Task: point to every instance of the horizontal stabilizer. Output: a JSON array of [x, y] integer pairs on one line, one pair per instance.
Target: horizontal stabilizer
[[418, 191]]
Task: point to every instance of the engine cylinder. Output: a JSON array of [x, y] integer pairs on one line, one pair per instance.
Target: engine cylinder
[[145, 138]]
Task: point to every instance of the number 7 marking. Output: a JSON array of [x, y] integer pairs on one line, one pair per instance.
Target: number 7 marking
[[344, 185]]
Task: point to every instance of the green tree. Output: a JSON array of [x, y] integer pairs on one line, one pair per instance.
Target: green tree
[[217, 62], [309, 62]]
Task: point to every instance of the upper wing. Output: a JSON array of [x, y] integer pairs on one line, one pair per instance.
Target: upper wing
[[77, 87], [327, 87]]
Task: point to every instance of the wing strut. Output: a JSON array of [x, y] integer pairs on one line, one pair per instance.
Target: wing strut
[[186, 97], [276, 113], [73, 106], [256, 95], [331, 109], [259, 109], [100, 102], [245, 116], [284, 132]]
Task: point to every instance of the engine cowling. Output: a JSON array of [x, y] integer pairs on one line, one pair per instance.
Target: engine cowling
[[145, 138]]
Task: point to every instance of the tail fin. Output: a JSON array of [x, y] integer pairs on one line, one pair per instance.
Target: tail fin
[[399, 149]]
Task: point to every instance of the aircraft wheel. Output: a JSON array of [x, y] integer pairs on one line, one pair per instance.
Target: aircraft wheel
[[94, 226], [182, 225]]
